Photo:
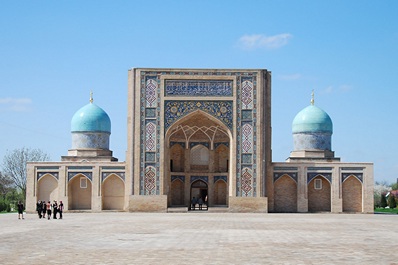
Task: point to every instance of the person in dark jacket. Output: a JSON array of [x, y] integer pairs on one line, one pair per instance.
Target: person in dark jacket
[[38, 208], [21, 208]]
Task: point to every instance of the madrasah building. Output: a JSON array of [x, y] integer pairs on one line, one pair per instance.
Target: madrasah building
[[201, 133]]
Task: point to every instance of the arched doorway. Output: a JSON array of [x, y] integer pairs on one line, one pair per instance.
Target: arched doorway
[[285, 195], [319, 195], [47, 188], [352, 195], [198, 144], [79, 193], [220, 193], [113, 193], [199, 189], [177, 192]]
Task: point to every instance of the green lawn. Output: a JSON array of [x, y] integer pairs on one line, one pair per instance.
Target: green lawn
[[386, 210]]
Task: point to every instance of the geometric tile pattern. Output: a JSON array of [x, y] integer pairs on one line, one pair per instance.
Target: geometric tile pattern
[[311, 176], [121, 175], [150, 137], [150, 180], [202, 88], [247, 94], [176, 109], [151, 93], [293, 175], [89, 175], [345, 176], [247, 178], [41, 174], [247, 138]]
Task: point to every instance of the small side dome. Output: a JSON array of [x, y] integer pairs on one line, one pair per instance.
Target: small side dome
[[312, 120], [91, 118]]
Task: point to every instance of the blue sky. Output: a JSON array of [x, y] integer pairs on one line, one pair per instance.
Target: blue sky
[[52, 53]]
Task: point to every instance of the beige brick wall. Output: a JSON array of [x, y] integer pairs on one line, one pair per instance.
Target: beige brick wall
[[285, 194], [352, 195], [319, 200], [248, 204], [157, 203]]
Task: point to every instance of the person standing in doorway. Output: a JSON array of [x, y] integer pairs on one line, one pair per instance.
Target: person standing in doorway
[[193, 203], [20, 207], [200, 202], [60, 209]]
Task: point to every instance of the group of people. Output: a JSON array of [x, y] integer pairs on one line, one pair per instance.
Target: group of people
[[53, 209], [198, 201]]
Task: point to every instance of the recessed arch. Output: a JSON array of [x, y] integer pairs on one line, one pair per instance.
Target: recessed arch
[[47, 188], [352, 194], [319, 199], [79, 192], [112, 190], [285, 194]]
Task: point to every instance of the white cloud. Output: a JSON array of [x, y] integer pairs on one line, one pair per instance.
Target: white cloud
[[258, 41], [341, 88], [15, 104], [290, 77]]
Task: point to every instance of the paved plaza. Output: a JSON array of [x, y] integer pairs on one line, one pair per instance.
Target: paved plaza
[[199, 238]]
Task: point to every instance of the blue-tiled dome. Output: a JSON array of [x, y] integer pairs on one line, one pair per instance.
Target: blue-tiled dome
[[312, 120], [91, 118]]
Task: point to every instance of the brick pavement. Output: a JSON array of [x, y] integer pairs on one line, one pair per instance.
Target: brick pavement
[[199, 238]]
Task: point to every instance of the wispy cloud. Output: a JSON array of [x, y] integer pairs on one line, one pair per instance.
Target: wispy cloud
[[290, 77], [341, 88], [260, 41], [15, 104]]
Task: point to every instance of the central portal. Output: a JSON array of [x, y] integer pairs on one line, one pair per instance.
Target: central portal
[[198, 155]]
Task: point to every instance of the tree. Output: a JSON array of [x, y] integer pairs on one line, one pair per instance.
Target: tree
[[391, 201], [5, 184], [14, 165], [383, 202]]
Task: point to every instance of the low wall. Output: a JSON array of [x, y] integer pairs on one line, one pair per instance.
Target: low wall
[[156, 203], [248, 204]]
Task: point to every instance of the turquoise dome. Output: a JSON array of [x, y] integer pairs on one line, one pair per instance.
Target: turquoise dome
[[312, 120], [91, 118]]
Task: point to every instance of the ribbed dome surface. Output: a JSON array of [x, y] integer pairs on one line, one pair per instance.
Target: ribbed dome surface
[[91, 118]]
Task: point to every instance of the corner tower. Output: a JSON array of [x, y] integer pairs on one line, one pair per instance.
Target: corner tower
[[91, 129], [312, 130]]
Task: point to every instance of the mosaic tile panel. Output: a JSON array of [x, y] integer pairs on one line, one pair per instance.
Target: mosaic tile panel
[[175, 110], [203, 178], [345, 176], [224, 178], [247, 179], [182, 178], [150, 181], [151, 92], [88, 175], [293, 175], [201, 88], [247, 138], [247, 94], [311, 176], [41, 174], [150, 137], [121, 175]]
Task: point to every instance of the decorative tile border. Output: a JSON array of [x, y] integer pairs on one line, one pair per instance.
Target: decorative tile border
[[202, 88]]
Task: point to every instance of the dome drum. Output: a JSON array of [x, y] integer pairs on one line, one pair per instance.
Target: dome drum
[[312, 141], [83, 140]]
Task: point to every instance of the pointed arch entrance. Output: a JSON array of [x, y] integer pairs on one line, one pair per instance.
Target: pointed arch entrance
[[197, 145], [285, 195], [199, 190], [79, 193], [352, 195], [113, 193], [47, 188], [319, 195]]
